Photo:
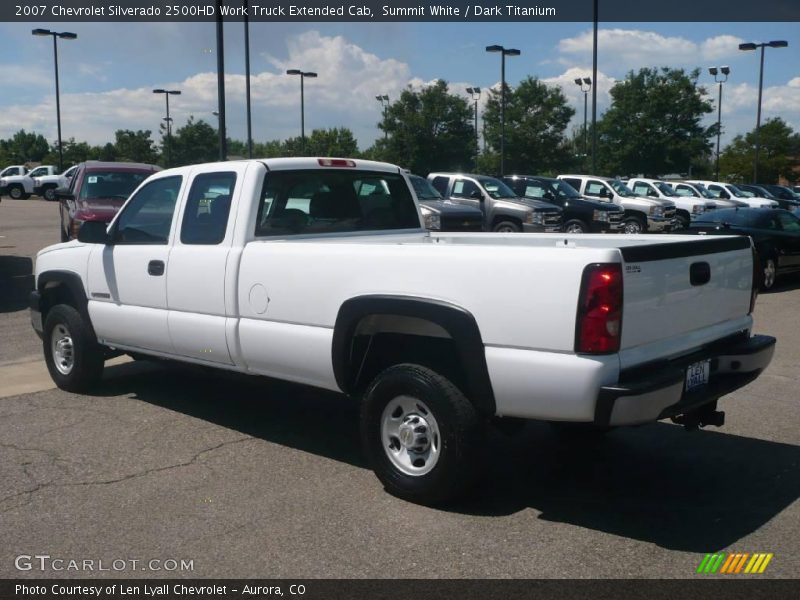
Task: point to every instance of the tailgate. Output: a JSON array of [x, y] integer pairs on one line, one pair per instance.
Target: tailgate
[[674, 289]]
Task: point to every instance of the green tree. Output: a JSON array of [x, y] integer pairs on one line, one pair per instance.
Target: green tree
[[135, 146], [537, 116], [24, 147], [778, 155], [654, 124], [195, 142], [428, 130]]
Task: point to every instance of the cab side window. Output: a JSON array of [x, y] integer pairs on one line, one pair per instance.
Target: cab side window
[[684, 190], [534, 189], [147, 217], [643, 189], [205, 218], [594, 188], [463, 188]]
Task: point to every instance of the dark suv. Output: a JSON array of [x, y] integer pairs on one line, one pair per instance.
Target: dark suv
[[580, 215], [97, 191]]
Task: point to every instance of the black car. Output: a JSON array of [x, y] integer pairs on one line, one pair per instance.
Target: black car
[[580, 215], [775, 233], [441, 215], [761, 191], [784, 195]]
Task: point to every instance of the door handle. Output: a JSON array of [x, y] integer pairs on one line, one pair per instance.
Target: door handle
[[155, 268]]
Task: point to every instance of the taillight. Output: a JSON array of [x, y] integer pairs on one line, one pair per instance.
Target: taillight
[[758, 273], [336, 162], [599, 324]]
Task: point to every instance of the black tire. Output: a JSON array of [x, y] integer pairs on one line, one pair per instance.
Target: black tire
[[87, 355], [17, 192], [506, 227], [769, 272], [49, 193], [576, 225], [460, 440], [633, 225], [681, 222]]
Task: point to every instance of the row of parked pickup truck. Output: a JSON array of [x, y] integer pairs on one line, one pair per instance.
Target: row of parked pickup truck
[[19, 183], [319, 271]]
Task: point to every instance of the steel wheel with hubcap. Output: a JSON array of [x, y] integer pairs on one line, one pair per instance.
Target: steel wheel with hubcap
[[770, 273], [71, 352], [506, 227], [633, 225], [62, 349], [50, 194], [16, 192], [574, 226], [422, 436]]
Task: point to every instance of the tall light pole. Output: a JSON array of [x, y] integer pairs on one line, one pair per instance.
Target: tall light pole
[[64, 35], [503, 53], [753, 46], [167, 94], [384, 100], [595, 19], [246, 6], [223, 137], [587, 81], [720, 79], [303, 75], [475, 94]]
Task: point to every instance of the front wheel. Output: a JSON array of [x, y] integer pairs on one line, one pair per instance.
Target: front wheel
[[73, 356], [422, 436], [49, 194], [681, 222], [16, 192], [575, 226], [506, 227], [770, 274], [633, 225]]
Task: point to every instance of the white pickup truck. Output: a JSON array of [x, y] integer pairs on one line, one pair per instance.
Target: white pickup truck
[[20, 187], [318, 271]]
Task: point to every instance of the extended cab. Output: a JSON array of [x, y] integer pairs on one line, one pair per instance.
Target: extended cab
[[686, 207], [503, 209], [641, 214], [284, 268], [580, 215]]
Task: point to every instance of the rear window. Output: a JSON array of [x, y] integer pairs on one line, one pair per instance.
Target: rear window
[[111, 184], [334, 200]]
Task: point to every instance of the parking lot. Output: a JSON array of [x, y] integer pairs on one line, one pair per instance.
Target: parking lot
[[247, 477]]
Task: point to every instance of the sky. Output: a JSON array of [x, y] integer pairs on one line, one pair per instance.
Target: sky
[[108, 73]]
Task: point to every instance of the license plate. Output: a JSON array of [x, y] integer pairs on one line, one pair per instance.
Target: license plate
[[697, 374]]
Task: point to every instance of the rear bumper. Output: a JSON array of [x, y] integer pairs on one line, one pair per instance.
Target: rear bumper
[[656, 392]]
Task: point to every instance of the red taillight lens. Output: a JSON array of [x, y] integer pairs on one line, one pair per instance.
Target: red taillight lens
[[757, 276], [599, 325], [336, 162]]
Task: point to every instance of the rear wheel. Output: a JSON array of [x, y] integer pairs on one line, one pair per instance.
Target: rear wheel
[[17, 192], [506, 227], [72, 354], [575, 226], [770, 270], [422, 436], [633, 225]]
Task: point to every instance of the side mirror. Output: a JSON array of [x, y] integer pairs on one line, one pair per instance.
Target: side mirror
[[724, 194], [604, 193], [476, 195], [64, 194], [549, 196], [93, 232]]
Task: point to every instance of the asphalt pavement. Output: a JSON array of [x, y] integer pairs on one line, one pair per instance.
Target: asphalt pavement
[[246, 477]]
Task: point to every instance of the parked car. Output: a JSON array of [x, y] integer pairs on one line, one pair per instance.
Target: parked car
[[580, 215], [641, 214], [433, 334], [686, 207], [97, 191], [21, 187], [45, 186], [775, 234], [728, 191], [440, 215], [781, 192], [698, 190], [503, 210], [761, 191]]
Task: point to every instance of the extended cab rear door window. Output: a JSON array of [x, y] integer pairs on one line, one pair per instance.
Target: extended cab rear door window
[[317, 201], [594, 188], [147, 218], [464, 188], [205, 218]]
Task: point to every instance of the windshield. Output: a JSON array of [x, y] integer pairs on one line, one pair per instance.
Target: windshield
[[703, 191], [665, 189], [622, 189], [423, 188], [496, 188], [565, 190], [739, 193], [111, 184]]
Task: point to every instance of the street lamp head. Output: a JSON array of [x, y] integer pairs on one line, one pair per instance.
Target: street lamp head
[[587, 80], [174, 92], [713, 71], [495, 48], [477, 90], [511, 52], [778, 44], [748, 46], [470, 91], [309, 74], [725, 70], [159, 91], [67, 35], [294, 72], [41, 32], [578, 81]]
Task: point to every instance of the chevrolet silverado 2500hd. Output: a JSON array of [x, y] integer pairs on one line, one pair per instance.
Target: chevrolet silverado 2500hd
[[297, 269]]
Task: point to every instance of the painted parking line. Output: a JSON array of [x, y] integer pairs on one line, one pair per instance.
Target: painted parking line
[[28, 375]]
